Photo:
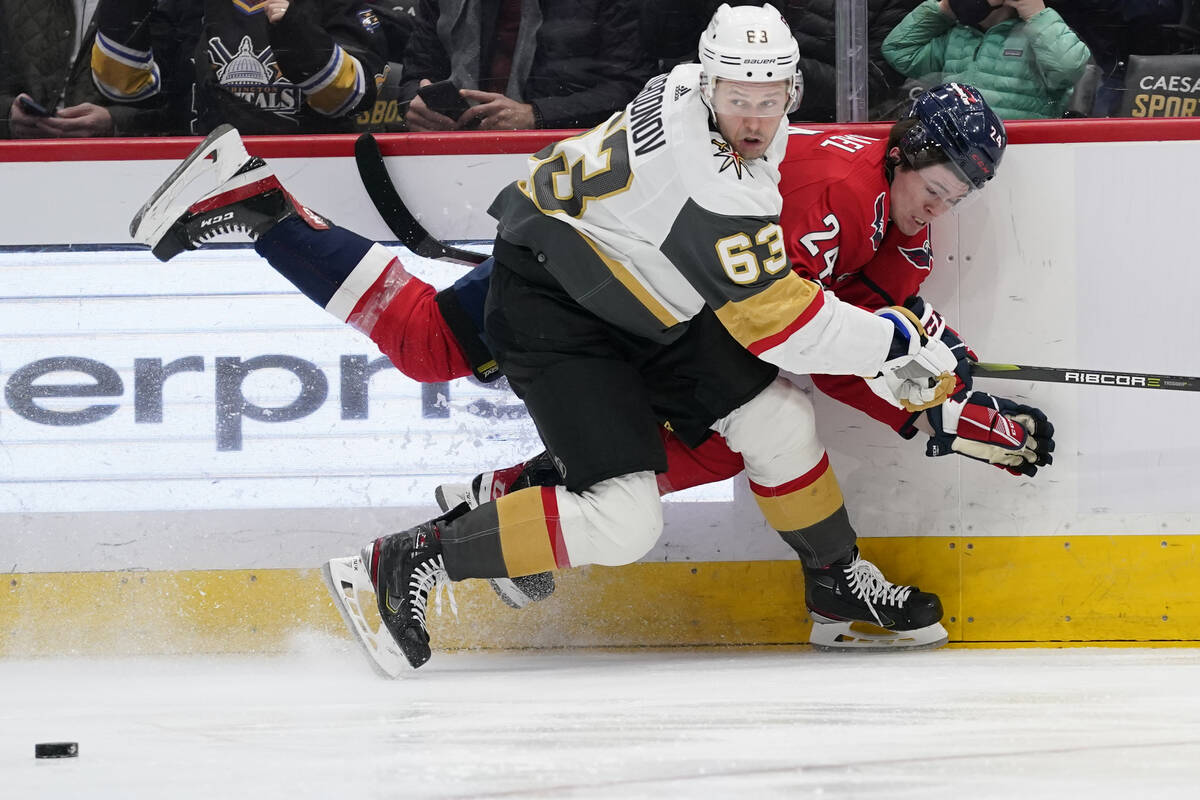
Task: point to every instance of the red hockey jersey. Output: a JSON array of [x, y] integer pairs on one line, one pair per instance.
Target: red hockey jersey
[[837, 229]]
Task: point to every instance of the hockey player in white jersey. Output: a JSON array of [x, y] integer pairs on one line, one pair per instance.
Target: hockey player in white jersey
[[640, 268]]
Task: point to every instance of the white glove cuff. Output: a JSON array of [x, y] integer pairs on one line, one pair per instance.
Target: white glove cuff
[[951, 414]]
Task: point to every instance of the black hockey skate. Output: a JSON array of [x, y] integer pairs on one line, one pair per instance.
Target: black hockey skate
[[400, 571], [234, 193], [854, 607], [487, 486], [404, 568]]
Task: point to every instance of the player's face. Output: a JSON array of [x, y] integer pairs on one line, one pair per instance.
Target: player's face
[[748, 114], [919, 196]]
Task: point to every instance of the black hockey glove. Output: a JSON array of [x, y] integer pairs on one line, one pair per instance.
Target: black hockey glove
[[936, 328], [1008, 435]]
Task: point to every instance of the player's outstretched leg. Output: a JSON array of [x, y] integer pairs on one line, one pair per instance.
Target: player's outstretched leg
[[522, 533], [487, 486], [219, 188], [854, 607], [711, 461]]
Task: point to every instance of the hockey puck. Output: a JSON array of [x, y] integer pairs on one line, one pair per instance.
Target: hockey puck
[[56, 750]]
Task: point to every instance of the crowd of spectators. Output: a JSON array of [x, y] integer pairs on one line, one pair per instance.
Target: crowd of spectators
[[73, 68]]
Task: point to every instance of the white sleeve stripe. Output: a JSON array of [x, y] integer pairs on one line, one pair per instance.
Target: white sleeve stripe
[[324, 76], [359, 281]]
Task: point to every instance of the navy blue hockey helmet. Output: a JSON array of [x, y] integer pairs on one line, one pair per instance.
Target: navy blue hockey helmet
[[954, 122]]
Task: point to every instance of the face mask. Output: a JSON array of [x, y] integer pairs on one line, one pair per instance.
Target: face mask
[[970, 12]]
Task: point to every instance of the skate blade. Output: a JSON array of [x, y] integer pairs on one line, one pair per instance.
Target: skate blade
[[512, 596], [228, 154], [840, 636], [346, 579]]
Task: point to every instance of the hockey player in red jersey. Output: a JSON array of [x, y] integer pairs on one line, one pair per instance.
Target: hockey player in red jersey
[[366, 291], [856, 214]]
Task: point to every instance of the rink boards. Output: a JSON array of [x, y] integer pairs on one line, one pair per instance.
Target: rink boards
[[188, 511], [997, 591]]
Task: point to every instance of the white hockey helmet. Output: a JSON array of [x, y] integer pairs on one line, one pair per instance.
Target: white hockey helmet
[[749, 44]]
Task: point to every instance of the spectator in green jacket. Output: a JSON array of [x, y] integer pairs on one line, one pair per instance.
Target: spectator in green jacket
[[1020, 54]]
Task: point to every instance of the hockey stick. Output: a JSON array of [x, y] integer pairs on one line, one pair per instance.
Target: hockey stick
[[413, 235], [395, 213], [1134, 380]]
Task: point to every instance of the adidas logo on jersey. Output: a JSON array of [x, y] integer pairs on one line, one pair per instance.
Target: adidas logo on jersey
[[680, 91]]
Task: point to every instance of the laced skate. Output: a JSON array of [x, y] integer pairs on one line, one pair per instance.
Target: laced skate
[[230, 191], [853, 607], [520, 591], [401, 570]]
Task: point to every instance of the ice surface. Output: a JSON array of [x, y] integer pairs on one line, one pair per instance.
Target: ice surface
[[709, 723]]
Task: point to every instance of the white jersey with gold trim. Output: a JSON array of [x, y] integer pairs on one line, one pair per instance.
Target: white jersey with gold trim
[[673, 219]]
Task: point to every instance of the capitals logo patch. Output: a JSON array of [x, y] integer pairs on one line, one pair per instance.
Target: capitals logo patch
[[880, 221], [254, 76], [920, 257]]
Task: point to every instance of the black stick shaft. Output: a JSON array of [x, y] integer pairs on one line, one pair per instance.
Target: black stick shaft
[[394, 211], [1085, 377]]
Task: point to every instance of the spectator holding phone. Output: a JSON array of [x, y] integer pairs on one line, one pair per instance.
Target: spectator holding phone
[[305, 66], [1020, 55], [522, 64], [45, 84]]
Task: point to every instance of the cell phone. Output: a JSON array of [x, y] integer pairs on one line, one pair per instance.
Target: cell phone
[[31, 106], [443, 97]]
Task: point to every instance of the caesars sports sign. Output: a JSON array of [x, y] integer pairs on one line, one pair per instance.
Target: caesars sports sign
[[1162, 86]]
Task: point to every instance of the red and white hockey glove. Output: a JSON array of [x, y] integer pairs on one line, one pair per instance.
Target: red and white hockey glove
[[1008, 435], [919, 371], [936, 328]]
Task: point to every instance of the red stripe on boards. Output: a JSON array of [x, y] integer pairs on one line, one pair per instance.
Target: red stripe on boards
[[174, 148]]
